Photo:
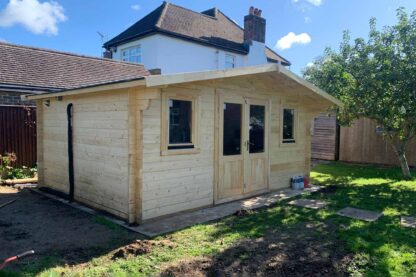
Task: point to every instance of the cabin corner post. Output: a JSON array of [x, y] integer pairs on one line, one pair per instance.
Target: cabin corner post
[[39, 142], [133, 159], [139, 101], [308, 140]]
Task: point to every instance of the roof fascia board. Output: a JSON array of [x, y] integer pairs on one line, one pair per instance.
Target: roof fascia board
[[310, 86], [159, 31], [163, 80], [98, 88]]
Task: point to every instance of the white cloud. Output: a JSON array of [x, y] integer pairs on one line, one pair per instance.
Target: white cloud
[[310, 64], [291, 38], [313, 2], [135, 7], [37, 17], [307, 19]]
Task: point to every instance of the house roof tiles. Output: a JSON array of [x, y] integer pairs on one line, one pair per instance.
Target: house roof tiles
[[211, 27], [42, 69]]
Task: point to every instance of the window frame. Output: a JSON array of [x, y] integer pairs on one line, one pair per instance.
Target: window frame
[[165, 125], [139, 46], [234, 58], [294, 141]]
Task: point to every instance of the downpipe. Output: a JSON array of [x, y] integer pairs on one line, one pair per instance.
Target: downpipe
[[69, 112]]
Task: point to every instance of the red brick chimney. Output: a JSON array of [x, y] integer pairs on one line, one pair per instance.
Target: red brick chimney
[[254, 26]]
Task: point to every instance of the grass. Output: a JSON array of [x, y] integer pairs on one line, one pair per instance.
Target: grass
[[381, 248]]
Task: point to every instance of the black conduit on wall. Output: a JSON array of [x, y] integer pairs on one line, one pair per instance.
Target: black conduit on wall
[[70, 154]]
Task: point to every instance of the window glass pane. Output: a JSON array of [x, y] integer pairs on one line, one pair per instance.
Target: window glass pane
[[257, 121], [132, 54], [232, 129], [180, 121], [288, 125]]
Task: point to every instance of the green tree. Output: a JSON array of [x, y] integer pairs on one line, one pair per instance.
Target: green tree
[[375, 78]]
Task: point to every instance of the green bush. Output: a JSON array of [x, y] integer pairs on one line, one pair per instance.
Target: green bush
[[7, 171]]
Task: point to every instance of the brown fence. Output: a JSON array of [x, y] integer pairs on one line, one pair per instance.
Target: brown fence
[[325, 138], [362, 144], [18, 133]]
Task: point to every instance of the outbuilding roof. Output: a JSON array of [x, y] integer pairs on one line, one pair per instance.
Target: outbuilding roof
[[211, 27], [34, 70], [275, 72]]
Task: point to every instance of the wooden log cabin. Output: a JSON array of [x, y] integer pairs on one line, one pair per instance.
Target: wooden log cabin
[[160, 145]]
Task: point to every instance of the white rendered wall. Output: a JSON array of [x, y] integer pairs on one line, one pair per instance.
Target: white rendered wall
[[174, 55]]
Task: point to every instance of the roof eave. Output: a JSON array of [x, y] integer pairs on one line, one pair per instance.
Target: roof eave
[[172, 79], [122, 84], [18, 88], [174, 35]]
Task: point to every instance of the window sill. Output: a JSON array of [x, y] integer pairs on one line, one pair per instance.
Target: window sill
[[288, 144], [180, 152]]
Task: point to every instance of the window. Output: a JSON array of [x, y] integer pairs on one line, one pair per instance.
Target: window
[[132, 54], [288, 126], [179, 127], [180, 124], [229, 61]]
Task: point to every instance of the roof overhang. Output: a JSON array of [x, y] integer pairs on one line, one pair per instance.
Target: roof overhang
[[17, 88], [154, 81], [90, 89], [171, 79]]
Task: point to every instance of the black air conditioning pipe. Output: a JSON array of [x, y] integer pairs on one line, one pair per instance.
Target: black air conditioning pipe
[[70, 154]]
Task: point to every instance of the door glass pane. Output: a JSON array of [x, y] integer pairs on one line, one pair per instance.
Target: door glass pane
[[180, 121], [232, 129], [257, 121]]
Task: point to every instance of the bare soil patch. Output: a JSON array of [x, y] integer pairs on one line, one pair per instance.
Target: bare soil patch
[[310, 249], [141, 247], [52, 229]]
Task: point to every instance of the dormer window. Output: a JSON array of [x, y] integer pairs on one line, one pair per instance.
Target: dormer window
[[229, 61], [132, 54]]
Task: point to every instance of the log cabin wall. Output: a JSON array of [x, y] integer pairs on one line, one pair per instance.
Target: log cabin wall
[[100, 147], [174, 183]]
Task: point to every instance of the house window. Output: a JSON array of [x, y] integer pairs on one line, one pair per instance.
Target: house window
[[132, 54], [180, 124], [288, 125], [229, 61], [178, 134]]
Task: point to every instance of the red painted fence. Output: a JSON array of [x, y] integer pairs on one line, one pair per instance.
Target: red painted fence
[[18, 133]]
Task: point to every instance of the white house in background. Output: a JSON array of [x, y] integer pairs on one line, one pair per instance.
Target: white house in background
[[175, 39]]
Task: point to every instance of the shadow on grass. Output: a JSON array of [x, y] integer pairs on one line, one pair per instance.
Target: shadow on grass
[[379, 248], [298, 250]]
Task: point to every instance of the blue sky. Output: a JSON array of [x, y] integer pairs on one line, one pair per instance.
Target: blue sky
[[72, 25]]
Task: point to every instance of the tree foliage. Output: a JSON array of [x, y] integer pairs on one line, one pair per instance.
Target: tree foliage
[[375, 78]]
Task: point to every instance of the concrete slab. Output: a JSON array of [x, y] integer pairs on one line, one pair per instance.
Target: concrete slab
[[365, 215], [309, 203], [181, 221], [408, 221]]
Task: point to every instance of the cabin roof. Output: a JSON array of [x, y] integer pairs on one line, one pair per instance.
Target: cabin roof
[[273, 71]]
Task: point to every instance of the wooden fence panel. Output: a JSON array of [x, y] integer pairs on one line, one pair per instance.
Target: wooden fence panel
[[361, 144], [18, 133], [324, 138]]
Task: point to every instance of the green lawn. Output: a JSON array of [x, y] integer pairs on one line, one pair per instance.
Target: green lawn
[[381, 248]]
